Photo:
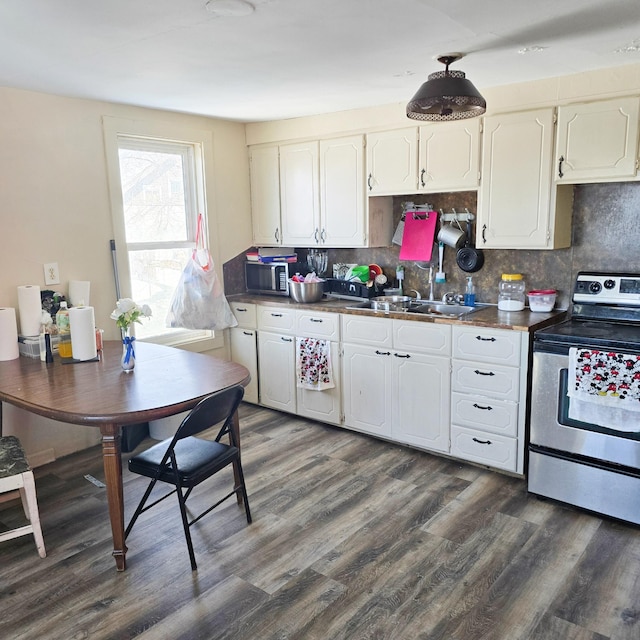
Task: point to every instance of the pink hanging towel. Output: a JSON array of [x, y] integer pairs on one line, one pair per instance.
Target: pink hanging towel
[[417, 239]]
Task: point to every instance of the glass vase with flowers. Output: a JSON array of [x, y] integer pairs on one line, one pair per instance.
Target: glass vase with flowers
[[125, 314]]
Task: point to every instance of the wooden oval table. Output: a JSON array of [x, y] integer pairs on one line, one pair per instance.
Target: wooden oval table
[[165, 381]]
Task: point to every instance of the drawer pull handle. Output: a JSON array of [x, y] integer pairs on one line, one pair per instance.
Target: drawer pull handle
[[247, 333], [276, 315], [485, 339], [315, 319], [402, 355], [484, 373], [383, 353], [286, 339], [482, 441], [240, 309], [477, 406]]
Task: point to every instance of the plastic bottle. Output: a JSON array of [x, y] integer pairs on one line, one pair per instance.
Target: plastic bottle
[[64, 331], [511, 292], [470, 293]]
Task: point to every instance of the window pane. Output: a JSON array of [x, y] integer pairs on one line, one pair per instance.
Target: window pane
[[153, 195], [154, 278]]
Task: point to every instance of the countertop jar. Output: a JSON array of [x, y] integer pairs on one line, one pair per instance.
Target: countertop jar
[[511, 294]]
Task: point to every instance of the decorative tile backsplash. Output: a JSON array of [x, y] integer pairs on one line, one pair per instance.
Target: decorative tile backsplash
[[606, 237]]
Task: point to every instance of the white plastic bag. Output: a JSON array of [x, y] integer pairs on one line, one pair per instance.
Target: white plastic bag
[[198, 301]]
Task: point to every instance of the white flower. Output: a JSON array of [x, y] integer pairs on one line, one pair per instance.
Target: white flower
[[127, 312]]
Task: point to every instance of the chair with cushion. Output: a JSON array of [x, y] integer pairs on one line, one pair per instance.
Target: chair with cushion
[[15, 474], [185, 460]]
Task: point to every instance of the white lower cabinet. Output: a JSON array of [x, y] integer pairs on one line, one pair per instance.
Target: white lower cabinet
[[244, 352], [397, 389], [489, 373], [277, 374]]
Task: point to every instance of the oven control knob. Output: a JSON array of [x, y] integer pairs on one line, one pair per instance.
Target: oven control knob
[[609, 284], [595, 287]]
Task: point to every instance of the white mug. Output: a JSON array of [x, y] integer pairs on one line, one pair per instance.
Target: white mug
[[451, 236]]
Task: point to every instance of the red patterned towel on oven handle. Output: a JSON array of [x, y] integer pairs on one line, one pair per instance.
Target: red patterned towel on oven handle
[[313, 364], [608, 377]]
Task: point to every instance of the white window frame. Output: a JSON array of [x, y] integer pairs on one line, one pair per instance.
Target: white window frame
[[114, 130]]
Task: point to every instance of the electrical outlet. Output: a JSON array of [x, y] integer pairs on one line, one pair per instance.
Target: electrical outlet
[[51, 273]]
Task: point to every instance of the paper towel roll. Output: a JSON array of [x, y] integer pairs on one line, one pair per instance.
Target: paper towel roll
[[79, 292], [83, 333], [8, 334], [30, 309]]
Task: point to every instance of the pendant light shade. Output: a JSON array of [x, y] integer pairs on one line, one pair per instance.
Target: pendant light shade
[[446, 95]]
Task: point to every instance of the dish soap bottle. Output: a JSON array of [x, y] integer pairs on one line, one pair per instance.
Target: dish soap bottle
[[64, 331], [470, 293]]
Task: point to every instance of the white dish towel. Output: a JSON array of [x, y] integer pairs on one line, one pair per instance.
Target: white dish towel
[[313, 364], [604, 387]]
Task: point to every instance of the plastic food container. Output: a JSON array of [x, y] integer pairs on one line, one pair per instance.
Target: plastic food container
[[306, 291], [542, 299]]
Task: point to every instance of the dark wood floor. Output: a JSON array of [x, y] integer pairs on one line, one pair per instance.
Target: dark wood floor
[[352, 538]]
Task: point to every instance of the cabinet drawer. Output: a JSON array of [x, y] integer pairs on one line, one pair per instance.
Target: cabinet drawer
[[276, 319], [485, 448], [500, 346], [310, 324], [488, 414], [245, 314], [376, 332], [422, 336], [486, 379]]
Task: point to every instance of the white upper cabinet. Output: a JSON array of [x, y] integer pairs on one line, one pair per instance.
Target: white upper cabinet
[[299, 194], [392, 162], [519, 206], [342, 198], [265, 195], [449, 156], [597, 141]]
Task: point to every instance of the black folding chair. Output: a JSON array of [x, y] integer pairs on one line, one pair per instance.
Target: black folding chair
[[185, 461]]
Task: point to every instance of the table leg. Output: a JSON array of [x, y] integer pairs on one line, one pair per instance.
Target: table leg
[[235, 425], [115, 495]]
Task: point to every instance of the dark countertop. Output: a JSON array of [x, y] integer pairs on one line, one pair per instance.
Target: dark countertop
[[488, 316]]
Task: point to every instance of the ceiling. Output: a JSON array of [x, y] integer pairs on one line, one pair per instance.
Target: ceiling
[[274, 59]]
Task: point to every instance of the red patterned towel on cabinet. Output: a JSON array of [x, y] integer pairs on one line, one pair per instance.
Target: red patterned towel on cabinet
[[604, 387], [313, 364]]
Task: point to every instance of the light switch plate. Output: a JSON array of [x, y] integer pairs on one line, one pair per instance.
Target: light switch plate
[[51, 273]]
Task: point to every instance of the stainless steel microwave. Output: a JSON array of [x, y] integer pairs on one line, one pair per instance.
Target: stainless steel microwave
[[271, 277]]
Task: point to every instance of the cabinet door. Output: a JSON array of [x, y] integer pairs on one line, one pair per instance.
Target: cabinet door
[[449, 156], [597, 141], [300, 206], [244, 352], [392, 162], [366, 380], [265, 195], [277, 371], [342, 193], [421, 400], [323, 405], [514, 200]]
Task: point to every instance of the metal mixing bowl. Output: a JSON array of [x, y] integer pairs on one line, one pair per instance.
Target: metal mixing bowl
[[306, 291]]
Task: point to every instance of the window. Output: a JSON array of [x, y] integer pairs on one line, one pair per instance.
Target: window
[[157, 187]]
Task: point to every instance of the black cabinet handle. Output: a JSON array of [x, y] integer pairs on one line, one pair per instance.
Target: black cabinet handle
[[484, 228], [315, 320], [239, 309], [484, 373], [402, 355], [477, 406], [422, 182], [482, 441], [276, 315], [560, 161], [369, 181], [277, 234], [485, 339], [247, 333], [383, 353], [286, 339]]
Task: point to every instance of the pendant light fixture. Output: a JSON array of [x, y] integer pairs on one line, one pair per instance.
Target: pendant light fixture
[[446, 95]]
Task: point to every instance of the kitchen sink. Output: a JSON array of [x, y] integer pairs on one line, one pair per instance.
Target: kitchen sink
[[424, 307]]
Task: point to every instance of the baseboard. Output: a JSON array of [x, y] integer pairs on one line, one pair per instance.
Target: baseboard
[[41, 457]]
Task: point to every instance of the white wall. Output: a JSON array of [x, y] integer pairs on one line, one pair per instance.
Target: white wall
[[54, 207]]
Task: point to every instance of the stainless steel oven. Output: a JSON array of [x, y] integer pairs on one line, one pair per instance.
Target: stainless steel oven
[[591, 465]]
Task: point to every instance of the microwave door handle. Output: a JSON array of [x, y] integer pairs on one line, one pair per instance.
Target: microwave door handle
[[274, 272]]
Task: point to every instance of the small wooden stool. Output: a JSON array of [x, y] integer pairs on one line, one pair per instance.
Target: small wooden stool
[[15, 473]]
